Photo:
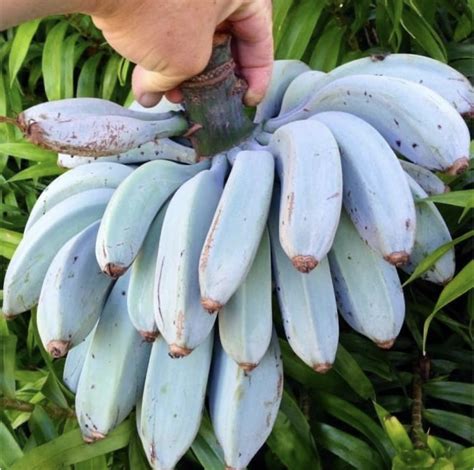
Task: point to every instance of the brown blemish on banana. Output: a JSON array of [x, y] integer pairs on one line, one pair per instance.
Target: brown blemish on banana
[[180, 325], [322, 368], [304, 264], [385, 344], [94, 437], [176, 351], [212, 306], [114, 270], [58, 348], [290, 206], [247, 366], [207, 247], [9, 316], [398, 258], [149, 336], [458, 167]]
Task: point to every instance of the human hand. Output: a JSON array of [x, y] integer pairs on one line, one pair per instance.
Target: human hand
[[171, 41]]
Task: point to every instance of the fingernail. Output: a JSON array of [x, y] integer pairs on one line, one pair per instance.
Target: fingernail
[[252, 99], [149, 99]]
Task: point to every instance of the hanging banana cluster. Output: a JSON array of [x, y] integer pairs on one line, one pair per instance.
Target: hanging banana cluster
[[133, 258]]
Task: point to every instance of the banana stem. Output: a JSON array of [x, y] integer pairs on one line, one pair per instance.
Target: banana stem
[[420, 375], [52, 410], [213, 102]]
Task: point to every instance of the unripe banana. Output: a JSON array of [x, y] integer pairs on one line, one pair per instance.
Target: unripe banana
[[244, 405], [368, 291], [142, 281], [73, 294], [132, 209], [180, 317], [307, 303], [160, 149], [101, 175], [431, 233], [114, 371], [75, 362], [299, 89], [237, 227], [284, 71], [376, 194], [173, 402], [309, 166], [414, 120], [439, 77], [245, 322], [99, 135], [429, 182], [27, 268]]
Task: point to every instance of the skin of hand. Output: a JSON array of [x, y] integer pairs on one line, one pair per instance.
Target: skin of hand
[[171, 41]]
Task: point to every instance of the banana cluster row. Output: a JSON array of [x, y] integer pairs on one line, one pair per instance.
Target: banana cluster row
[[131, 266]]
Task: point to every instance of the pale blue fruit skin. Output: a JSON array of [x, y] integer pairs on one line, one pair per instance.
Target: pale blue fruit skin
[[368, 290], [75, 362], [26, 271], [180, 317], [283, 73], [245, 322], [173, 402], [376, 194], [433, 74], [244, 405], [73, 293], [100, 175], [309, 166], [429, 182], [237, 227], [132, 209], [114, 370], [431, 233], [307, 304], [415, 121]]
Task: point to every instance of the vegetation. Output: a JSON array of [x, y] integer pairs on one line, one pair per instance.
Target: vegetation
[[376, 409]]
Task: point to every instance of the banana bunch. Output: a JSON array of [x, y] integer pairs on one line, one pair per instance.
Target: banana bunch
[[153, 269]]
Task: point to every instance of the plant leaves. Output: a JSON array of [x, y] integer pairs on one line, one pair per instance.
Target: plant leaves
[[37, 171], [460, 425], [7, 365], [28, 151], [10, 450], [456, 198], [455, 392]]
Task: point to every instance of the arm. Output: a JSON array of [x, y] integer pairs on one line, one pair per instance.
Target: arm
[[170, 40]]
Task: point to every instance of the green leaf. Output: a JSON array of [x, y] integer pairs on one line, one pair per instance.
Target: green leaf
[[136, 455], [349, 448], [462, 283], [435, 446], [9, 236], [354, 417], [7, 365], [464, 460], [52, 62], [422, 32], [291, 440], [456, 392], [413, 460], [87, 82], [110, 77], [20, 45], [456, 198], [431, 259], [37, 171], [299, 27], [327, 50], [70, 448], [10, 450], [68, 64], [206, 448], [460, 425], [280, 12], [394, 429], [28, 151], [349, 370], [42, 426], [98, 463], [52, 391]]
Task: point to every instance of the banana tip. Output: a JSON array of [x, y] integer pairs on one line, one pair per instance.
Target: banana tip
[[458, 167], [149, 336], [398, 258], [94, 436], [322, 368], [247, 366], [9, 316], [304, 264], [176, 351], [58, 348], [212, 306], [385, 344], [114, 270]]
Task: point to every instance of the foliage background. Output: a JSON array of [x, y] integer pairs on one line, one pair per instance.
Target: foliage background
[[330, 421]]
